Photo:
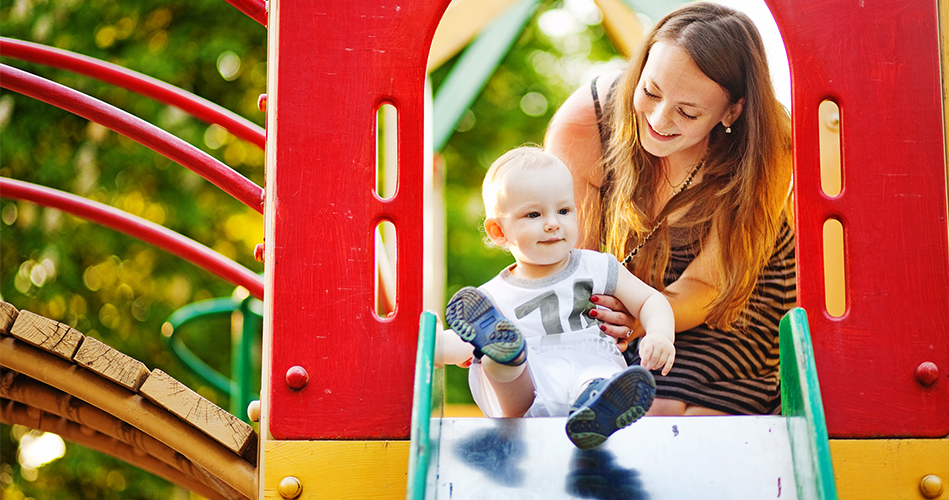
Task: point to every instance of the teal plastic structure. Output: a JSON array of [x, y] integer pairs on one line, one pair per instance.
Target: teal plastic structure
[[801, 404], [428, 402]]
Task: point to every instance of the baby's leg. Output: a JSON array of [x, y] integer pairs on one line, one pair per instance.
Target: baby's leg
[[450, 349], [498, 343], [512, 385], [590, 373]]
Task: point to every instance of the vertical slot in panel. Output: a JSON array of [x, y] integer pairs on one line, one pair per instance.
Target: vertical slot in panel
[[831, 178], [385, 269], [387, 150], [835, 288], [387, 170], [829, 131], [944, 31]]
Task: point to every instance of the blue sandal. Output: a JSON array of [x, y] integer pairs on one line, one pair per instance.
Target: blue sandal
[[475, 319], [607, 406]]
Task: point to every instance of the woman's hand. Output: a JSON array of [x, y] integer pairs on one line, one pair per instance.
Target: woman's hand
[[617, 321]]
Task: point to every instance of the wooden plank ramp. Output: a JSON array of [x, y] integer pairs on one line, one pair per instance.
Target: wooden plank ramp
[[56, 379], [163, 390], [8, 315]]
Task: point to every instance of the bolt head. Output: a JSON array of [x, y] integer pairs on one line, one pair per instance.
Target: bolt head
[[297, 378], [253, 411], [290, 487], [927, 373], [930, 486]]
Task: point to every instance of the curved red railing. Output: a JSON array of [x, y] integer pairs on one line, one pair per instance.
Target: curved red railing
[[137, 129], [136, 82], [255, 9], [137, 227]]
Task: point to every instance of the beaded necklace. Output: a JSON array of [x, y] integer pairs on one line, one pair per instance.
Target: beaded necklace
[[685, 185]]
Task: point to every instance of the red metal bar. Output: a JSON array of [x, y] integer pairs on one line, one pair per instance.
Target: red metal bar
[[880, 63], [322, 214], [136, 82], [137, 227], [255, 9], [137, 129]]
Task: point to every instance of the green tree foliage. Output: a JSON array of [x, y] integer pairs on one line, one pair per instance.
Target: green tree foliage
[[115, 288]]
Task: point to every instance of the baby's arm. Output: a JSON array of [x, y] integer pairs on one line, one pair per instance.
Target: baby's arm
[[655, 315]]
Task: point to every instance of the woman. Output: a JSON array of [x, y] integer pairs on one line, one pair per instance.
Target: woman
[[682, 169]]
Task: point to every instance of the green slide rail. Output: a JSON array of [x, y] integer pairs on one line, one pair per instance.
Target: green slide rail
[[427, 406], [801, 404]]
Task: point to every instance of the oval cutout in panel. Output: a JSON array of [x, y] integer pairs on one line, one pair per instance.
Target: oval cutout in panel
[[384, 271], [835, 277], [387, 150], [831, 179]]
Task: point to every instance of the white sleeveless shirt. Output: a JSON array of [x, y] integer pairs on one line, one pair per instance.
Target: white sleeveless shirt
[[565, 345]]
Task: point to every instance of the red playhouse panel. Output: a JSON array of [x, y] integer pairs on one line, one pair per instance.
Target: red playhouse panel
[[879, 61], [333, 64]]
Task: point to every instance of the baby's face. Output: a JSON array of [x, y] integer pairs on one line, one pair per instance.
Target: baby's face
[[538, 215]]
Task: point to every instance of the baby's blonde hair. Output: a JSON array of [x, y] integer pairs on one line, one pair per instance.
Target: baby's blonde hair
[[522, 158]]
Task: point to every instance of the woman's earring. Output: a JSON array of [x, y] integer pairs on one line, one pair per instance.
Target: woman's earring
[[728, 130]]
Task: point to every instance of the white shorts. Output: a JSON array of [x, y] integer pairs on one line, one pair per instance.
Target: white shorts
[[558, 376]]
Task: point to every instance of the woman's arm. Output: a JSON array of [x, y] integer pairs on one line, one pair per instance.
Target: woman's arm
[[689, 296], [696, 288]]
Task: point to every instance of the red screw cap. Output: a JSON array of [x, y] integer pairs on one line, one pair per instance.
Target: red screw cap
[[927, 373], [297, 378]]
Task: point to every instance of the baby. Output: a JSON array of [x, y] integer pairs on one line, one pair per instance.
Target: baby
[[537, 349]]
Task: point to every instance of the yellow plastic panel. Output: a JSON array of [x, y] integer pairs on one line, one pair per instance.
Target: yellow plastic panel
[[330, 470], [622, 26], [887, 469]]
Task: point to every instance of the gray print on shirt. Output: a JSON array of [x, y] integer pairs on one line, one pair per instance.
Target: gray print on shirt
[[549, 306]]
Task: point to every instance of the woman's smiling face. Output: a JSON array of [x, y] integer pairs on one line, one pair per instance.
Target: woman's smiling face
[[677, 105]]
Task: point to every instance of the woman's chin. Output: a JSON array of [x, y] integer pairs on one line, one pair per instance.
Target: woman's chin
[[657, 150]]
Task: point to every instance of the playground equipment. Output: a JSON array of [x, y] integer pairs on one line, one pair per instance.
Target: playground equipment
[[331, 422]]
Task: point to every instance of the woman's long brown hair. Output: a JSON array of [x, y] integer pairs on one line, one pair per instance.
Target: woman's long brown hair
[[746, 176]]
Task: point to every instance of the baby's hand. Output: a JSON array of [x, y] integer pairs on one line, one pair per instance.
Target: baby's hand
[[656, 350]]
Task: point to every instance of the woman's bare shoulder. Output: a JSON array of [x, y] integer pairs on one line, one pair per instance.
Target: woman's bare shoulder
[[574, 134], [578, 109]]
